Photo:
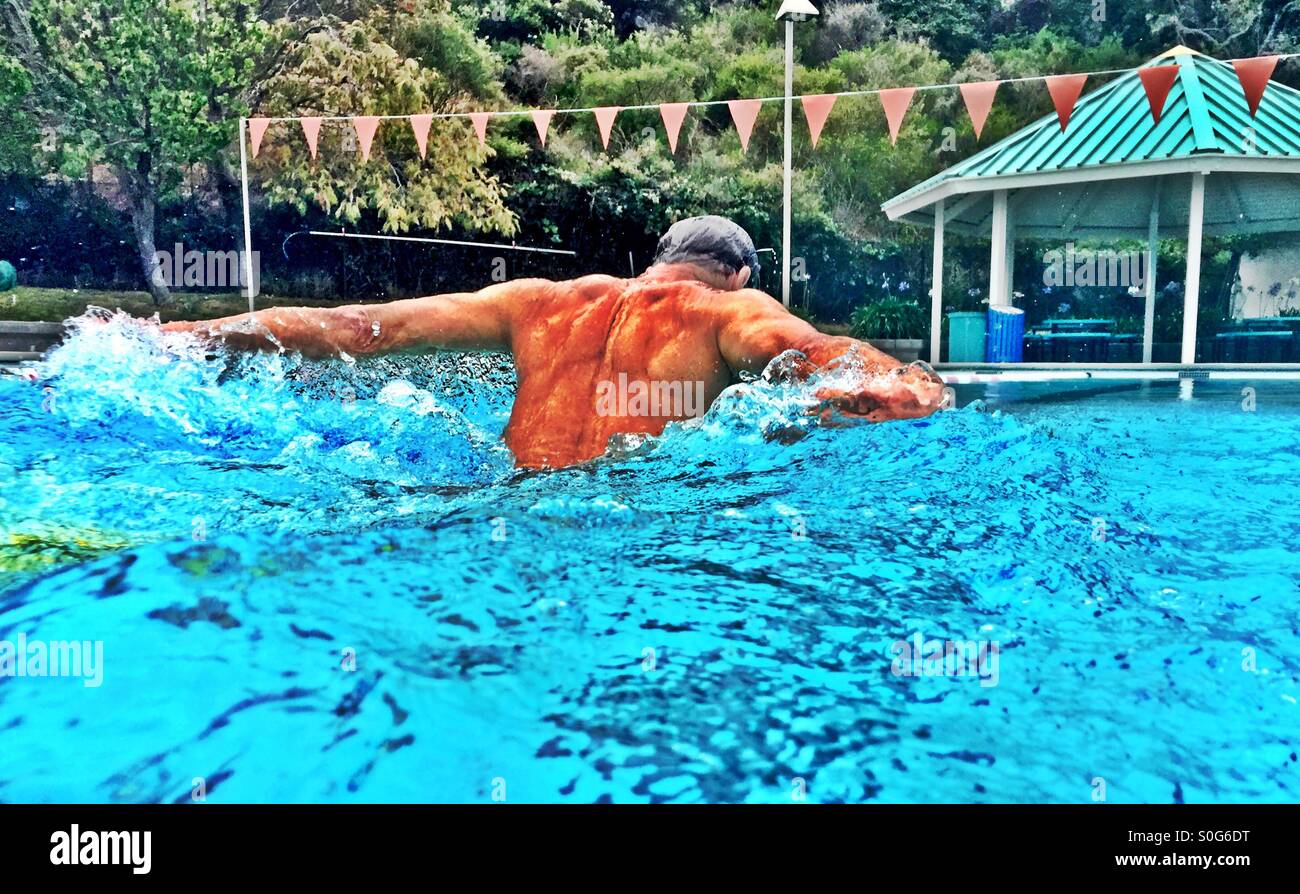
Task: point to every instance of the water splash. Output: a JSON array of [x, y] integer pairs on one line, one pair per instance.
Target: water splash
[[701, 616]]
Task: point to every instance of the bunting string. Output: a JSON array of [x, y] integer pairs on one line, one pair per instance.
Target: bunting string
[[1065, 90]]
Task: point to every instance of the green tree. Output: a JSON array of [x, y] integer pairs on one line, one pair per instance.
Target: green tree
[[954, 27], [633, 15], [400, 59], [145, 87], [17, 136], [525, 21], [1230, 27]]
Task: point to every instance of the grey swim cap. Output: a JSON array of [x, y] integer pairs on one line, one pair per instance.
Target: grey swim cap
[[709, 238]]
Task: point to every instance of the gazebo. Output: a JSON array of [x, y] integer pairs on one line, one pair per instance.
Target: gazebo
[[1206, 166]]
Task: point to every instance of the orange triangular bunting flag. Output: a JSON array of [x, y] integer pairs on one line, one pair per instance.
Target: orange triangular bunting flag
[[744, 112], [895, 102], [816, 109], [420, 125], [673, 113], [1157, 81], [1065, 91], [1254, 75], [311, 131], [256, 129], [605, 120], [542, 121], [365, 126], [979, 100], [480, 120]]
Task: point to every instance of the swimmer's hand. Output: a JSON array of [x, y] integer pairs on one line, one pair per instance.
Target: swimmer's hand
[[204, 328], [250, 332], [908, 392]]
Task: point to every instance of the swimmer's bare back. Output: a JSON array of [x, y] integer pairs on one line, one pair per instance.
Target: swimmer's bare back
[[595, 356]]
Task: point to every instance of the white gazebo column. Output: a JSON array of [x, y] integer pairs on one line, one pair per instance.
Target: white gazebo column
[[1192, 288], [1011, 259], [936, 285], [999, 274], [1153, 244]]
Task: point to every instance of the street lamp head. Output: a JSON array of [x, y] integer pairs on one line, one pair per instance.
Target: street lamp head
[[796, 8]]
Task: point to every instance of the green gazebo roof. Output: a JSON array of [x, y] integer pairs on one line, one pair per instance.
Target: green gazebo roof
[[1101, 176]]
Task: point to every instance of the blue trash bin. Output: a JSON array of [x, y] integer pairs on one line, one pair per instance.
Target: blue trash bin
[[1006, 338]]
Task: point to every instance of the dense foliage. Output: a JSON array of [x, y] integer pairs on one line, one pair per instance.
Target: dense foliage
[[119, 125]]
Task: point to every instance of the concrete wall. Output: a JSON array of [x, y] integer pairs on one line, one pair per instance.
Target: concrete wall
[[27, 341]]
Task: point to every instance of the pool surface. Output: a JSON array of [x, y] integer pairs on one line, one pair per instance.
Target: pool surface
[[326, 582]]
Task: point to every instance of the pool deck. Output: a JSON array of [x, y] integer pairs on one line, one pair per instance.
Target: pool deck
[[974, 373]]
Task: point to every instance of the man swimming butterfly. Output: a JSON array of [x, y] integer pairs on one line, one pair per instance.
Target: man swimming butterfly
[[686, 326]]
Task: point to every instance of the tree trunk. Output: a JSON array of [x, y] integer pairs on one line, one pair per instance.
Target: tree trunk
[[228, 192], [139, 190], [144, 204], [142, 222]]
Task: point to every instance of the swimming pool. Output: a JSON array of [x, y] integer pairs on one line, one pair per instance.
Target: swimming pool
[[325, 582]]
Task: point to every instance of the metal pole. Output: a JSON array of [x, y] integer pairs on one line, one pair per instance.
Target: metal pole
[[460, 242], [248, 230], [789, 115], [936, 288]]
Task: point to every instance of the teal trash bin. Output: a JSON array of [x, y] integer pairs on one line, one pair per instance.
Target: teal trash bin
[[966, 337], [1006, 341], [8, 276]]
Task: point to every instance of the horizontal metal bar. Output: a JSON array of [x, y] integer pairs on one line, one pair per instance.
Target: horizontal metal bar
[[492, 245]]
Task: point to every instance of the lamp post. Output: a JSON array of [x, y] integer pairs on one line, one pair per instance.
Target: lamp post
[[791, 11]]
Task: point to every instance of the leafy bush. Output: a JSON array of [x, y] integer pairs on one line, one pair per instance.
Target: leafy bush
[[887, 318], [847, 27]]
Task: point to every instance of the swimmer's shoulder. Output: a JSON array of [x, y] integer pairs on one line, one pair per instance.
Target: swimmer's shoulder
[[594, 286], [584, 287], [742, 304], [533, 290]]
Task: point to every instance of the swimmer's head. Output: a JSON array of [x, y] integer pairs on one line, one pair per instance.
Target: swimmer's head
[[717, 247]]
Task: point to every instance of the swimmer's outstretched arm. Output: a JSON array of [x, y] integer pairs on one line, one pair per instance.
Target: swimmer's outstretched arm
[[753, 328], [464, 321]]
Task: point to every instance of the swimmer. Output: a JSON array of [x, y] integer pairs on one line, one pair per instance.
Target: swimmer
[[600, 356]]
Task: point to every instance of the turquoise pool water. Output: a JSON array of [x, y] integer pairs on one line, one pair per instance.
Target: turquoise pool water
[[324, 582]]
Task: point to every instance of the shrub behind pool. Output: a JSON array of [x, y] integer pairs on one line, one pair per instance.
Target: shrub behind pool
[[8, 276]]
